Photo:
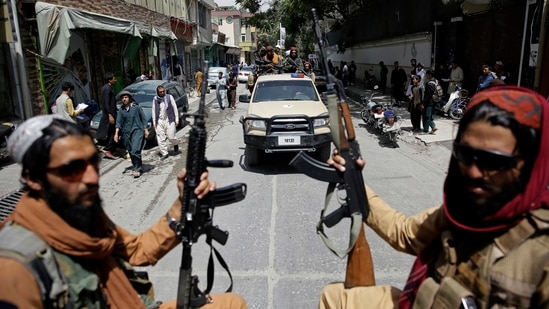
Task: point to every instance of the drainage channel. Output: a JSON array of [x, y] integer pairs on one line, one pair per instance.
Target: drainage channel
[[8, 202]]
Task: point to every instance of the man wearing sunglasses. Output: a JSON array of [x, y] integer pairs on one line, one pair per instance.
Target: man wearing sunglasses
[[58, 248], [487, 245]]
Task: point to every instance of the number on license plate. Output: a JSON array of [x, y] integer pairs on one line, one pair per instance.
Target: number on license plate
[[289, 140]]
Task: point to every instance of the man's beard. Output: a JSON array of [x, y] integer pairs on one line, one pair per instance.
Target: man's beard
[[463, 205], [87, 219]]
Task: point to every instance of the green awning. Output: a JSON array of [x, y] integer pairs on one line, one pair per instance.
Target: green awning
[[55, 23]]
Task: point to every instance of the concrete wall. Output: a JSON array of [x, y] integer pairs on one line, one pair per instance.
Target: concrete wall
[[368, 55]]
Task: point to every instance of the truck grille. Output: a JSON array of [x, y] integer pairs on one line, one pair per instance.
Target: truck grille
[[290, 125]]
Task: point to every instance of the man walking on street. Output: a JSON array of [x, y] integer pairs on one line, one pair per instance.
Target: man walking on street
[[178, 73], [165, 120], [383, 72], [198, 77], [59, 249], [398, 82], [428, 103], [105, 131], [132, 123]]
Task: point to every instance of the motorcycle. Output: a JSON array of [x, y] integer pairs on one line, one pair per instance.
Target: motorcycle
[[372, 114], [456, 104], [383, 119], [391, 126]]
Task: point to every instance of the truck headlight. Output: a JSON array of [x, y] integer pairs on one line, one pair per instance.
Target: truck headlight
[[320, 122], [255, 124]]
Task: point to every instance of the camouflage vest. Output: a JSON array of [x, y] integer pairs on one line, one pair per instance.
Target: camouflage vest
[[64, 281], [503, 274]]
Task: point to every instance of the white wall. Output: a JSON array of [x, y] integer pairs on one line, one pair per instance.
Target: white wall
[[401, 49]]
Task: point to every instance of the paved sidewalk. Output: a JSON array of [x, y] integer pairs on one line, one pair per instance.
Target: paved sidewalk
[[10, 172], [447, 128]]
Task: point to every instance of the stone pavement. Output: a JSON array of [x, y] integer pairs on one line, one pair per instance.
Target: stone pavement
[[447, 127]]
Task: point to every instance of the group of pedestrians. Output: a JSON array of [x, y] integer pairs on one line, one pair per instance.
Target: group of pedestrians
[[129, 124], [225, 90], [422, 103]]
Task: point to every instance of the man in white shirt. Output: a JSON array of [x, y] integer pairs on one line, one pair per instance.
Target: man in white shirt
[[165, 120], [456, 77], [221, 91]]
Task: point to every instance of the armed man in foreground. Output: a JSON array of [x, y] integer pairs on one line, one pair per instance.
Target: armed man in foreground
[[487, 245], [59, 249]]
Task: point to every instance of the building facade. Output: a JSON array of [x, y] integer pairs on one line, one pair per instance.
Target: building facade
[[470, 32], [45, 43], [239, 37]]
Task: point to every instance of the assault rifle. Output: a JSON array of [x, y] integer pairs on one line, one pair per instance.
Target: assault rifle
[[359, 262], [196, 215]]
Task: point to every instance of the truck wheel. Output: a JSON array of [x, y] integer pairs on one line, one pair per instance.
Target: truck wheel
[[251, 155], [323, 153]]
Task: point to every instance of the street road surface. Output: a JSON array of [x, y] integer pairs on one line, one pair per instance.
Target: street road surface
[[276, 258]]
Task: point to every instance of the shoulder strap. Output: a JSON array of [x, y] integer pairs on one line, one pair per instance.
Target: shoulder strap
[[356, 224], [536, 221], [39, 259]]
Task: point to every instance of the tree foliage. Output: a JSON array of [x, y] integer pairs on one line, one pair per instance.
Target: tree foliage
[[295, 16]]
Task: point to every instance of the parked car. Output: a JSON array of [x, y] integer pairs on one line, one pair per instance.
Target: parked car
[[244, 72], [285, 114], [213, 75], [143, 94]]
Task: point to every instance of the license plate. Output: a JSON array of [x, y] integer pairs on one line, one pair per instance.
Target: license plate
[[289, 140]]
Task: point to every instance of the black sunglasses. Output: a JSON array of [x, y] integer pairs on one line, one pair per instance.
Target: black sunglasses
[[74, 170], [484, 159]]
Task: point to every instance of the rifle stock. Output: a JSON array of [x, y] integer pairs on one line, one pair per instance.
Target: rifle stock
[[360, 270]]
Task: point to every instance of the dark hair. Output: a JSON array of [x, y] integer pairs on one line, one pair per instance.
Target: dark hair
[[429, 72], [67, 86], [108, 76], [36, 159], [527, 137]]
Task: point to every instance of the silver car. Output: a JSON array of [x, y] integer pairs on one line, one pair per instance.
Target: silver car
[[213, 75]]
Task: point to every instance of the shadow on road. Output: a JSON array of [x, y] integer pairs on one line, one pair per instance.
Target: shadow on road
[[270, 163]]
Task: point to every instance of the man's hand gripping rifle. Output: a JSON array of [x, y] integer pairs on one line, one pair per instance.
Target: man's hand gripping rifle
[[196, 215], [359, 263]]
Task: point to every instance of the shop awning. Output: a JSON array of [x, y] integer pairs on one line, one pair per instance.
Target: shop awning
[[229, 49], [56, 22], [232, 50]]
